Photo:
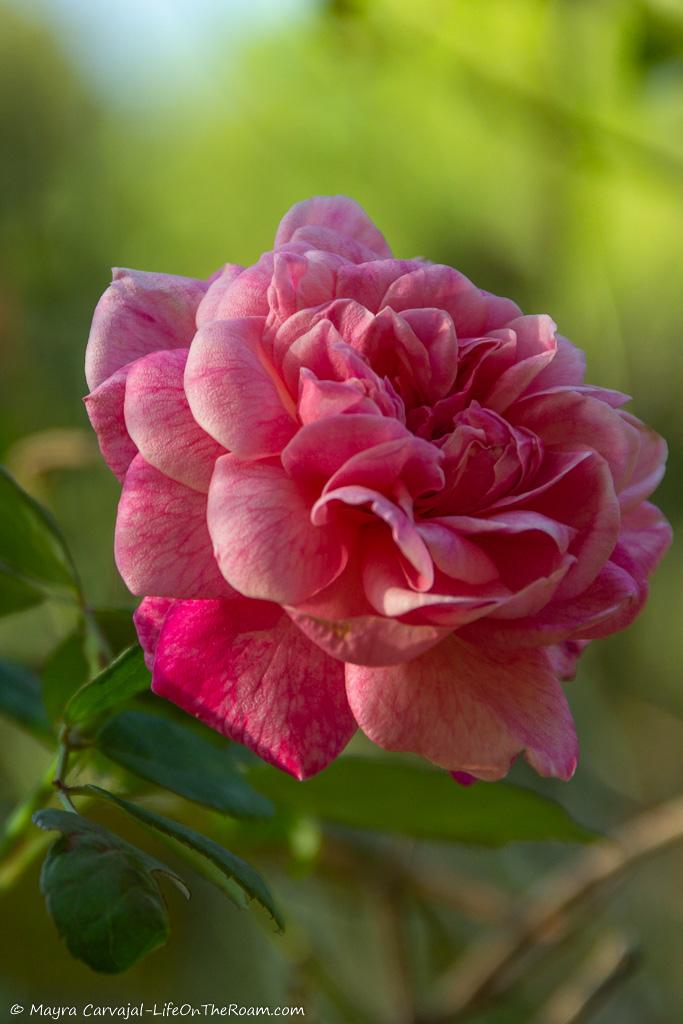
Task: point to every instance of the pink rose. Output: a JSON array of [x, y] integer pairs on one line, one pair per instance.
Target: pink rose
[[360, 491]]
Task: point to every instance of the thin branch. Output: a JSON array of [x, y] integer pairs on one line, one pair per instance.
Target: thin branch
[[539, 917], [612, 960]]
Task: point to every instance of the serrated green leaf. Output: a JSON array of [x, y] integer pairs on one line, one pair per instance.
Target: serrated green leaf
[[102, 893], [412, 799], [172, 756], [31, 545], [126, 676], [16, 594], [225, 865], [65, 672], [21, 699]]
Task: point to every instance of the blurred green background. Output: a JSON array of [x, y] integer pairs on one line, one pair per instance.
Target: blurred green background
[[537, 145]]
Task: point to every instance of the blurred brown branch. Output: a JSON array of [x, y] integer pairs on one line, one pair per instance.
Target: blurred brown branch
[[540, 919]]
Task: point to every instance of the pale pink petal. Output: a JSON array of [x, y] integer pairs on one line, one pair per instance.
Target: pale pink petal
[[149, 618], [246, 670], [567, 421], [263, 537], [159, 420], [301, 281], [210, 308], [468, 709], [564, 657], [162, 543], [104, 406], [140, 313], [338, 213], [233, 391], [441, 287], [369, 639], [322, 447], [238, 293], [311, 237]]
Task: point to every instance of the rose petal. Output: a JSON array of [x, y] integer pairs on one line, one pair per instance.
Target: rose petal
[[244, 668], [140, 313], [148, 619], [104, 406], [264, 540], [233, 391], [162, 543], [469, 710], [338, 213], [161, 424]]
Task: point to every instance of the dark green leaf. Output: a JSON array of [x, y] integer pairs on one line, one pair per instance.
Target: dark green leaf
[[415, 800], [123, 679], [224, 866], [102, 893], [116, 626], [21, 699], [177, 759], [17, 594], [65, 671], [31, 545]]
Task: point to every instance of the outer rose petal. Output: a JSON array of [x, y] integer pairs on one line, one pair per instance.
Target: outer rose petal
[[140, 313], [104, 406], [210, 307], [162, 543], [338, 213], [161, 424], [244, 668], [148, 619], [233, 391], [469, 710], [263, 537], [369, 639]]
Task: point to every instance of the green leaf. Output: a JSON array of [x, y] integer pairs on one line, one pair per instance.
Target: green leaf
[[164, 752], [17, 594], [414, 800], [65, 671], [21, 699], [223, 865], [102, 893], [31, 545], [124, 678], [116, 626]]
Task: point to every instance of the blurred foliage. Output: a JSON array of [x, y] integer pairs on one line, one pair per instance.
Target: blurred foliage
[[537, 145]]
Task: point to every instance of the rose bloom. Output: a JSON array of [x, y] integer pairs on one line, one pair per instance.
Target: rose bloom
[[360, 492]]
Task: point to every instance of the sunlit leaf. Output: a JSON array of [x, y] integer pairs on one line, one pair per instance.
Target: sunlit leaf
[[415, 800], [123, 679], [103, 893], [224, 866], [177, 759]]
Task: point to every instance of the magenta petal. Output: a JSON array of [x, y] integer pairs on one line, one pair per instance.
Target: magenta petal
[[264, 540], [104, 406], [468, 710], [140, 313], [159, 420], [148, 619], [648, 464], [233, 392], [244, 669], [339, 214], [162, 543]]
